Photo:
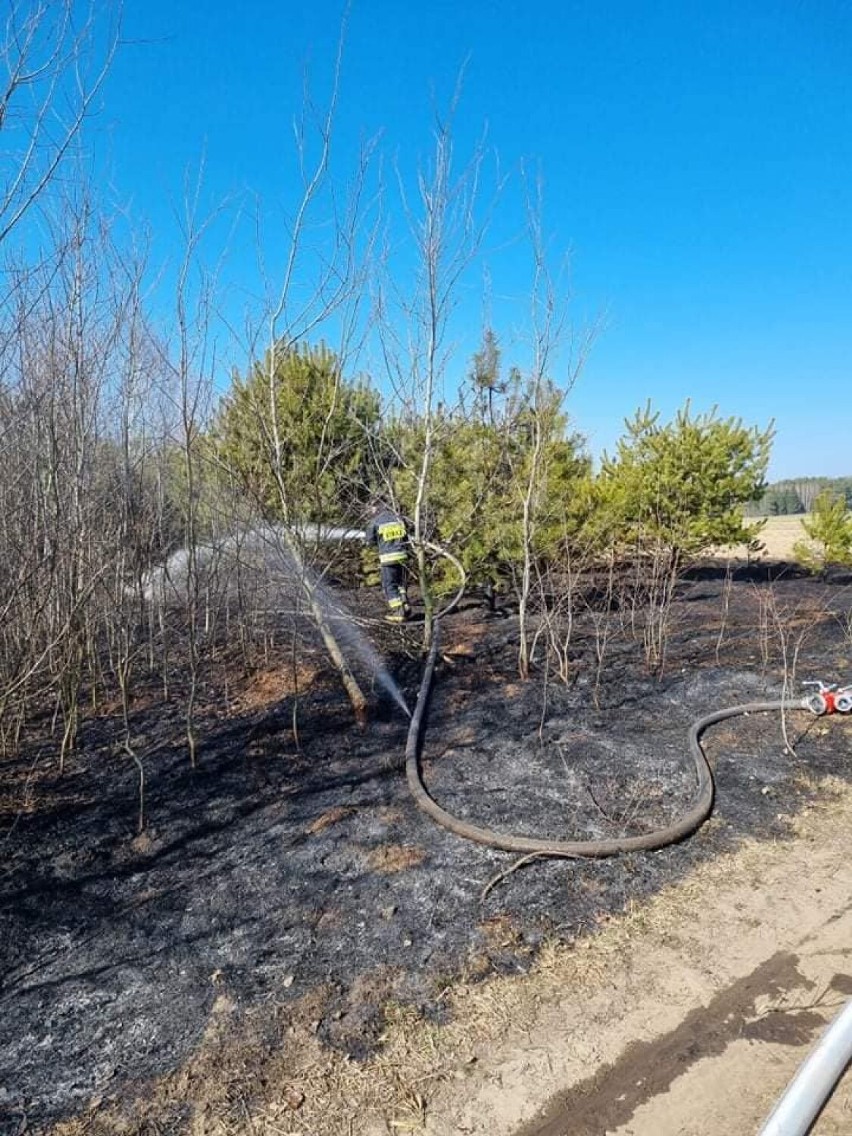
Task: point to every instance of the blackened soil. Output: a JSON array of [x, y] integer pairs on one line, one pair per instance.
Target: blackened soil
[[274, 868]]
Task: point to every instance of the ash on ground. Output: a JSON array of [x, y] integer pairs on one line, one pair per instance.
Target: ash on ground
[[277, 868]]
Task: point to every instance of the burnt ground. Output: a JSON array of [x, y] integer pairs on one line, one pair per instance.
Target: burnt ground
[[276, 869]]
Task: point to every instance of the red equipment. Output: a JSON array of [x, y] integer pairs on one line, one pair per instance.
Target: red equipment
[[829, 699]]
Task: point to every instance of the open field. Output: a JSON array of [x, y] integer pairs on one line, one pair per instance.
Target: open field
[[778, 537]]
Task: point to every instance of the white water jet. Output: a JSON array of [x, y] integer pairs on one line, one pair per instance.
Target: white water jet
[[262, 550]]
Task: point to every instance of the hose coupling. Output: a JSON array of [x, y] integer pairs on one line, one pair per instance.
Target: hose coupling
[[828, 699]]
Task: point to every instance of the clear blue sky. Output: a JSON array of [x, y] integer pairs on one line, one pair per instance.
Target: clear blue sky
[[696, 160]]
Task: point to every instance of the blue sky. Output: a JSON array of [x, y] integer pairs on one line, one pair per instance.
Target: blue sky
[[696, 162]]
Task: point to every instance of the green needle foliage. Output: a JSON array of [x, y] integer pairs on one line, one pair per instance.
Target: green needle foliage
[[830, 530], [299, 436], [482, 468], [680, 488]]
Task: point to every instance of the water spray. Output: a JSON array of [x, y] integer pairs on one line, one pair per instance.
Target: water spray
[[384, 678]]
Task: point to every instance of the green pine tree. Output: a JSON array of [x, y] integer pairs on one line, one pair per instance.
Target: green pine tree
[[299, 436], [681, 487], [829, 528]]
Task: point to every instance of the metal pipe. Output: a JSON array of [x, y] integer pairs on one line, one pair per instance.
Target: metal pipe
[[814, 1083]]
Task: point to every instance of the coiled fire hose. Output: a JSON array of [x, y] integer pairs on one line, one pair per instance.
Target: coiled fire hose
[[455, 599], [808, 1092], [694, 816]]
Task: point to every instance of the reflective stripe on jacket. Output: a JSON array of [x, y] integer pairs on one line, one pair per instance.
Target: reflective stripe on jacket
[[388, 532], [393, 557]]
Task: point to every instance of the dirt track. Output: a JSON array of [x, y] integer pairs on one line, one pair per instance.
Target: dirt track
[[706, 1005], [299, 887]]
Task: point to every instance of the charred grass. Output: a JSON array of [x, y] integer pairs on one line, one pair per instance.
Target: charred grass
[[288, 944]]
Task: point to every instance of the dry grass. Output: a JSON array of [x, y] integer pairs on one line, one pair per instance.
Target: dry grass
[[390, 858], [269, 686], [778, 536], [327, 819]]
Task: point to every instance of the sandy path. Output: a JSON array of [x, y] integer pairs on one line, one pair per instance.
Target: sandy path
[[695, 1016]]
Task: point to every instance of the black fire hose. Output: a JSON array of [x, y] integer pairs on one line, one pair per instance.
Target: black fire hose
[[695, 815]]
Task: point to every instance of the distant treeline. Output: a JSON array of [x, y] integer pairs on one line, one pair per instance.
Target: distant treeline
[[783, 498]]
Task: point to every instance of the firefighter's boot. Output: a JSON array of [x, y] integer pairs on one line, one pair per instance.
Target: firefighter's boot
[[406, 606], [396, 614]]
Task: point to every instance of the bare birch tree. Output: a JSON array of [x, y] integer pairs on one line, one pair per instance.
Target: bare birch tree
[[320, 289], [549, 327], [54, 58], [447, 232]]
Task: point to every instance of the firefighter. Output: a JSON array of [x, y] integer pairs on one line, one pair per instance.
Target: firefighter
[[388, 532]]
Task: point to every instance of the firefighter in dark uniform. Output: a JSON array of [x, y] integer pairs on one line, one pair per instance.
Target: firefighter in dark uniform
[[387, 531]]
